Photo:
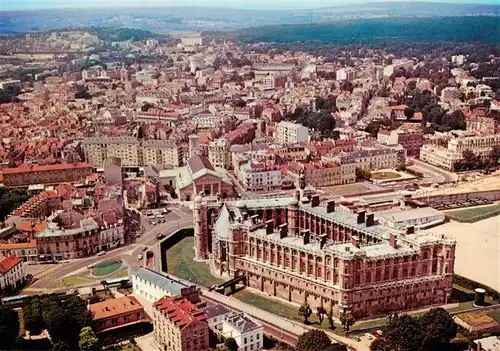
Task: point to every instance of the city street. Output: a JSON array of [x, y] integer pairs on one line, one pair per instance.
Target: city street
[[435, 174], [179, 217]]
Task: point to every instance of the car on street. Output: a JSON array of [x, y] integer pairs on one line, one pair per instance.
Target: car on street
[[139, 257], [101, 253], [368, 336], [160, 236], [379, 332], [357, 338], [144, 248]]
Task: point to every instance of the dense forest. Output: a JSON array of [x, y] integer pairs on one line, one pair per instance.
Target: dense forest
[[389, 30]]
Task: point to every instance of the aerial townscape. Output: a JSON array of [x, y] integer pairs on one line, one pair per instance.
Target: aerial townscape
[[194, 179]]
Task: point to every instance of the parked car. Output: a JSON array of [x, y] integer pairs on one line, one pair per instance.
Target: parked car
[[379, 332], [368, 336], [101, 253], [139, 257], [144, 248], [357, 338], [160, 236]]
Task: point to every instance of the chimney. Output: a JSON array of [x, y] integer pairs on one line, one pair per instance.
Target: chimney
[[330, 206], [297, 195], [393, 241], [254, 218], [315, 201], [283, 230], [307, 236], [410, 230], [269, 226], [354, 241], [369, 220], [361, 217]]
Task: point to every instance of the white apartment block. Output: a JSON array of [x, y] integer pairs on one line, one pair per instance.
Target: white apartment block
[[219, 154], [207, 120], [288, 133], [130, 151], [257, 176], [11, 272], [345, 74], [391, 69], [371, 160], [192, 40], [449, 94], [446, 157]]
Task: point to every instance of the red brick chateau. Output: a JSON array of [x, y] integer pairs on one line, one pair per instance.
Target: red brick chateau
[[303, 250]]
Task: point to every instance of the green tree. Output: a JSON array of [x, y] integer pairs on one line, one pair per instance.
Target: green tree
[[336, 347], [305, 311], [231, 344], [88, 340], [362, 174], [347, 320], [9, 326], [61, 346], [404, 333], [313, 340], [438, 329], [62, 326]]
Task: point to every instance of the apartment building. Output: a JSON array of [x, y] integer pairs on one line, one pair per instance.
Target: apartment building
[[446, 156], [318, 174], [25, 175], [11, 272], [27, 252], [371, 159], [64, 243], [219, 153], [160, 152], [260, 176], [291, 133], [410, 141], [345, 74], [131, 151], [393, 68], [179, 325]]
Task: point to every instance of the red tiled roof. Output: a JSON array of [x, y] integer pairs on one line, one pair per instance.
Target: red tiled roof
[[15, 246], [179, 310], [37, 168], [115, 307], [8, 263]]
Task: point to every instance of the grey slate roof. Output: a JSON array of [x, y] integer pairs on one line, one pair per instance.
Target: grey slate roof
[[174, 286]]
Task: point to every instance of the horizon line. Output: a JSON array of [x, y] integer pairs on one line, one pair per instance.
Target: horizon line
[[243, 7]]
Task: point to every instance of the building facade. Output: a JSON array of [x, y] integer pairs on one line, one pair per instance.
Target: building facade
[[303, 251], [260, 176], [219, 154], [131, 151], [179, 325], [291, 133], [116, 313], [27, 252], [51, 174], [11, 272]]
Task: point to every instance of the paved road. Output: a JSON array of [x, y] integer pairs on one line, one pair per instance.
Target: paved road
[[437, 174], [177, 218]]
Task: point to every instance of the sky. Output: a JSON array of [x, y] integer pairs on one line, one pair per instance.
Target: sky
[[9, 5]]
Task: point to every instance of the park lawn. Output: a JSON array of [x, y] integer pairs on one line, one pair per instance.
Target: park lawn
[[470, 213], [106, 267], [348, 188], [385, 175], [70, 281], [181, 264], [276, 307]]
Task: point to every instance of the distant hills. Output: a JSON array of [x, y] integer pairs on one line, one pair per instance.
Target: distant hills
[[210, 18], [478, 29]]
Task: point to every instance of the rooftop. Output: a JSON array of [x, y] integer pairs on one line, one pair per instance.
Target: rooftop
[[179, 310], [114, 307], [8, 263]]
